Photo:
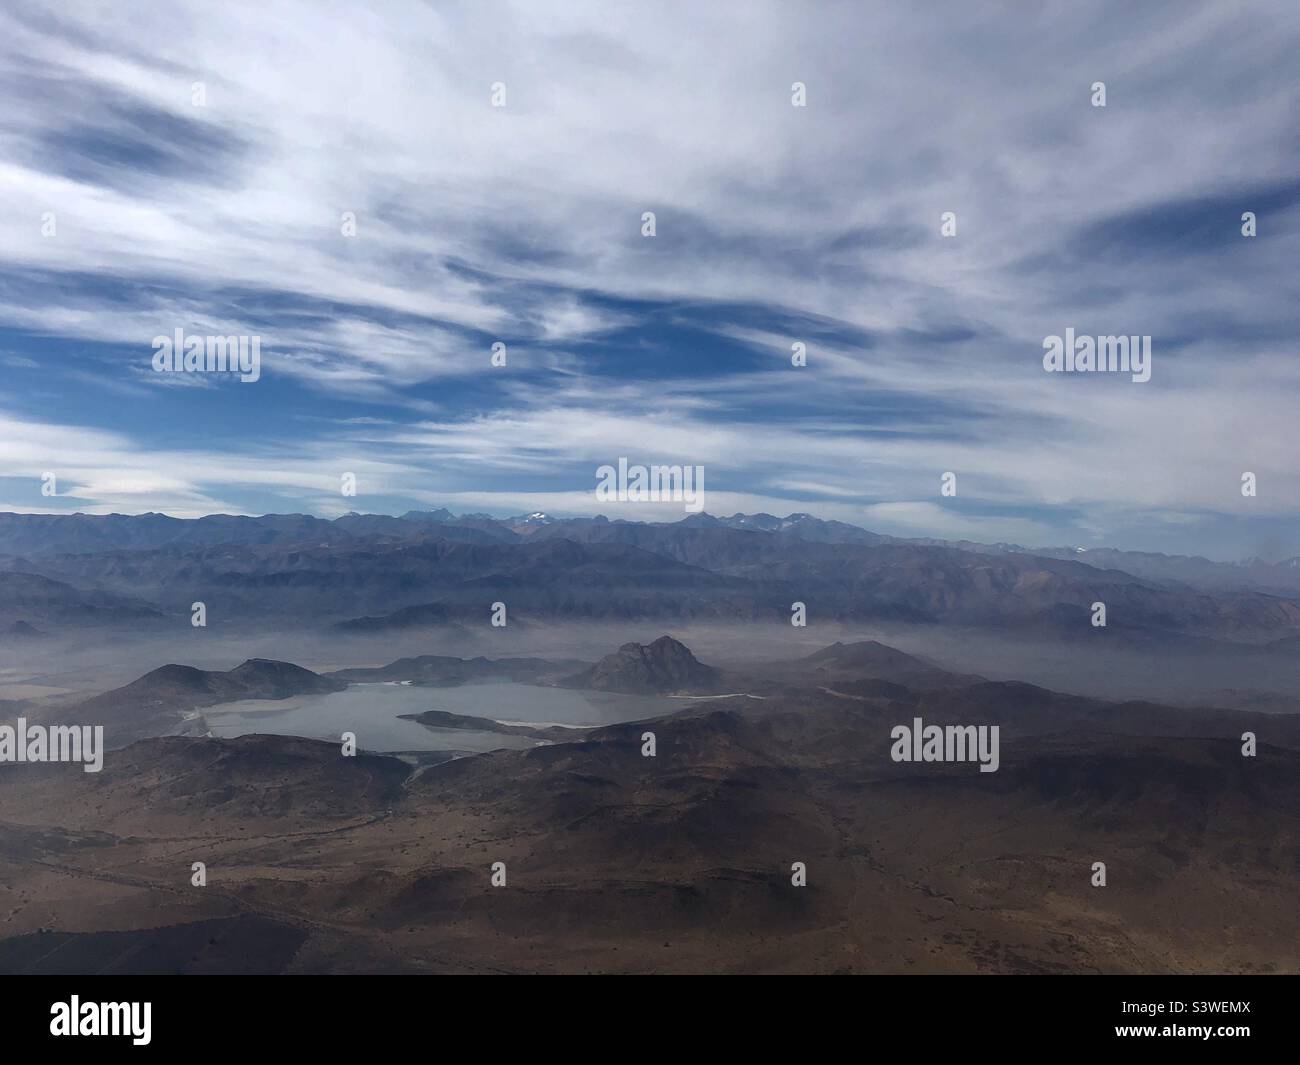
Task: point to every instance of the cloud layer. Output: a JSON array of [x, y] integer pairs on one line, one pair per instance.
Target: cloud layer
[[775, 224]]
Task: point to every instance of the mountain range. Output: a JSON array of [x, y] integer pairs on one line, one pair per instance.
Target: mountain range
[[42, 534], [375, 574]]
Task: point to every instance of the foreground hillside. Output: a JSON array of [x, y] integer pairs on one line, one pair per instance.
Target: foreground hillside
[[617, 862]]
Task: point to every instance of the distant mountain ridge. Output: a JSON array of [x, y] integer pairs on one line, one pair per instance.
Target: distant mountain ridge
[[38, 534], [377, 574]]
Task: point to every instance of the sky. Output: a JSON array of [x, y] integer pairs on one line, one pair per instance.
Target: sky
[[192, 166]]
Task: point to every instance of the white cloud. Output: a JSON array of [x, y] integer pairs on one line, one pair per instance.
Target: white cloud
[[522, 224]]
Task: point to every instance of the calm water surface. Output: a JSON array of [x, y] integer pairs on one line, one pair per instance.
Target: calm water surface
[[371, 711]]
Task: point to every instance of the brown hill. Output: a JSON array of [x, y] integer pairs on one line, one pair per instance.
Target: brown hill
[[157, 702], [666, 665], [876, 661]]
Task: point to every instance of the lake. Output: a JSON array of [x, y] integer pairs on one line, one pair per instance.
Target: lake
[[371, 712]]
